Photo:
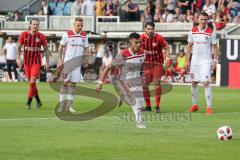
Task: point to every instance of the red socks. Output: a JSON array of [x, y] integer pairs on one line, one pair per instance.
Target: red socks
[[33, 91], [157, 95], [146, 94]]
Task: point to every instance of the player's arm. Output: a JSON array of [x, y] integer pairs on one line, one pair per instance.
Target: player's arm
[[215, 51], [18, 55], [86, 53], [19, 46], [61, 55], [215, 55], [189, 50], [103, 76], [4, 53], [166, 51], [47, 53]]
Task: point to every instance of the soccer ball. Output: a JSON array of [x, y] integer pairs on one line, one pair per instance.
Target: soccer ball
[[224, 133]]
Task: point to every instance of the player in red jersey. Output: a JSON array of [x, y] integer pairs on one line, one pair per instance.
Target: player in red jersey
[[32, 40], [126, 68], [153, 44]]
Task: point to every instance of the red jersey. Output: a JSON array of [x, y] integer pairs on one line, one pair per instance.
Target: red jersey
[[153, 48], [32, 47]]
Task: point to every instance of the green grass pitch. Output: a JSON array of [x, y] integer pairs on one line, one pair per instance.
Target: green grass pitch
[[37, 134]]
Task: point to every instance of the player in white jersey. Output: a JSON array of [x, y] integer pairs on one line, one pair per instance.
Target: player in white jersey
[[202, 43], [126, 68], [73, 47]]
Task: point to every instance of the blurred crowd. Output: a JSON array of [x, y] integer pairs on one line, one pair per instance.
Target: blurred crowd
[[170, 11]]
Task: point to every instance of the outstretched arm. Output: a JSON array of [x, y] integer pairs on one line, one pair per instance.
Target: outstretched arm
[[102, 77]]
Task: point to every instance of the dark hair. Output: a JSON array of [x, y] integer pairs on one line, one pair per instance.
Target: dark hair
[[204, 14], [149, 24], [134, 35], [34, 19]]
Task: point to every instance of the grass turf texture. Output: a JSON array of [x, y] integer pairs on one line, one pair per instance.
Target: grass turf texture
[[36, 134]]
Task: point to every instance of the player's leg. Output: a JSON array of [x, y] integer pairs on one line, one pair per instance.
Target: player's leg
[[27, 71], [195, 75], [138, 117], [158, 70], [206, 79], [9, 69], [35, 72], [73, 77], [70, 96], [137, 103], [148, 77], [63, 96]]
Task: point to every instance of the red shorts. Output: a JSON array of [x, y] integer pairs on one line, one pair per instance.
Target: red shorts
[[32, 70], [153, 72]]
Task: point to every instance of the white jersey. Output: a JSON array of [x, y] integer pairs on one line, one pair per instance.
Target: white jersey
[[128, 81], [11, 50], [202, 45], [74, 43]]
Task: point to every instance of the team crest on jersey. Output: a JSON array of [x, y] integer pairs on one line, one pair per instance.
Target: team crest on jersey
[[154, 44], [83, 40], [37, 39], [206, 37]]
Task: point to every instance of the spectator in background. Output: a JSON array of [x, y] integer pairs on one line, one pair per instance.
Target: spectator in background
[[99, 8], [178, 17], [185, 5], [168, 16], [61, 1], [41, 12], [195, 17], [234, 8], [189, 16], [18, 16], [115, 7], [88, 8], [168, 70], [133, 11], [171, 5], [76, 8], [209, 8], [10, 51], [151, 6], [181, 64], [198, 5], [236, 19], [146, 16], [100, 52], [108, 8], [157, 16], [46, 9], [218, 21]]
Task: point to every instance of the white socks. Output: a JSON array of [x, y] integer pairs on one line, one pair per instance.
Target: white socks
[[194, 94], [208, 95], [137, 113]]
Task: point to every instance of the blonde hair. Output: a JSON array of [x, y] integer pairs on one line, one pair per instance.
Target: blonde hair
[[79, 19]]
